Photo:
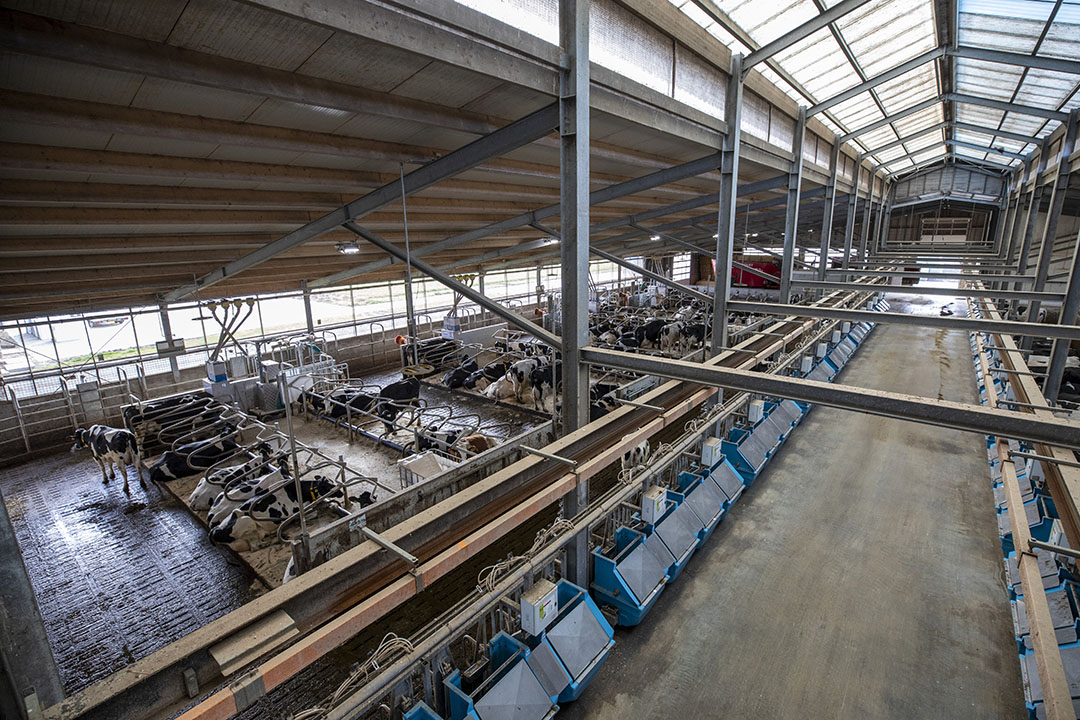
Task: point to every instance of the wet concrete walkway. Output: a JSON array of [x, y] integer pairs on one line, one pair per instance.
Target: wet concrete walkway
[[860, 577], [116, 578]]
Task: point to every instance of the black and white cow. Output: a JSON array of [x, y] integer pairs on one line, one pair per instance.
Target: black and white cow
[[545, 380], [394, 398], [650, 333], [671, 336], [476, 381], [261, 515], [111, 447], [434, 437], [190, 458], [636, 456], [601, 407], [166, 410], [334, 406], [214, 483], [501, 389], [628, 341], [520, 375], [237, 494], [694, 334]]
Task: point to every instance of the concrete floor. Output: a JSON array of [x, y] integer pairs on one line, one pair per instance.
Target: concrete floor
[[115, 578], [859, 577]]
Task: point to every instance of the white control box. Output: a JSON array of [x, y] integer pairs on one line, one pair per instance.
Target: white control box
[[822, 348], [845, 328], [835, 336], [807, 364], [653, 504], [756, 411], [539, 606], [711, 452]]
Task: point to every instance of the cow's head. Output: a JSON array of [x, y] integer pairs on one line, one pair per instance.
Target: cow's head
[[80, 440], [234, 530]]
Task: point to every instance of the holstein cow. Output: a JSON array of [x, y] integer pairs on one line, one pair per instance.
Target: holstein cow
[[394, 398], [694, 334], [111, 447], [546, 379], [650, 333], [433, 437], [202, 497], [501, 389], [237, 494], [334, 406], [520, 374], [456, 377], [261, 515], [636, 456], [671, 336], [190, 458]]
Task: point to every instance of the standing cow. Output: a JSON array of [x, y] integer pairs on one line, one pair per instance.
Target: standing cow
[[111, 446]]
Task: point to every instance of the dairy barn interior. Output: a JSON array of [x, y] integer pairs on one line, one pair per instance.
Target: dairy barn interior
[[491, 359]]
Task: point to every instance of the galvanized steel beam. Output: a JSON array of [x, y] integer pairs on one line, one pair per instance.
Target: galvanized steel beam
[[943, 413]]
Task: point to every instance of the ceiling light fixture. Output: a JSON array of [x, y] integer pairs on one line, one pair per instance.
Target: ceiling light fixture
[[654, 238], [348, 248]]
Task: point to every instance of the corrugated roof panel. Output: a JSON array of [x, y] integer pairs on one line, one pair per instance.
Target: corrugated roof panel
[[925, 155], [978, 115], [1046, 88], [920, 120], [991, 80], [765, 22], [876, 138], [1023, 124], [885, 34], [780, 83], [857, 112], [969, 152], [1012, 25], [890, 154], [908, 89], [934, 138], [1063, 39], [819, 64]]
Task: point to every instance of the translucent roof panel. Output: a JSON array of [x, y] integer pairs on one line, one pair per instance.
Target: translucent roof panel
[[1020, 26], [867, 41]]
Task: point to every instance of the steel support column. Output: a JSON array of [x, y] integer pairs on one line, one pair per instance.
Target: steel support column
[[1069, 309], [729, 190], [853, 203], [830, 203], [1053, 214], [791, 221], [1030, 220], [166, 333], [305, 291], [574, 199], [867, 218]]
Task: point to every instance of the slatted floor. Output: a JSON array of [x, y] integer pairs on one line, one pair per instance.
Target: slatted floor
[[115, 578]]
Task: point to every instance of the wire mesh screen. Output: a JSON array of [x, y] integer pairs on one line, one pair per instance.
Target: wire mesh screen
[[623, 42], [755, 115], [698, 83]]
